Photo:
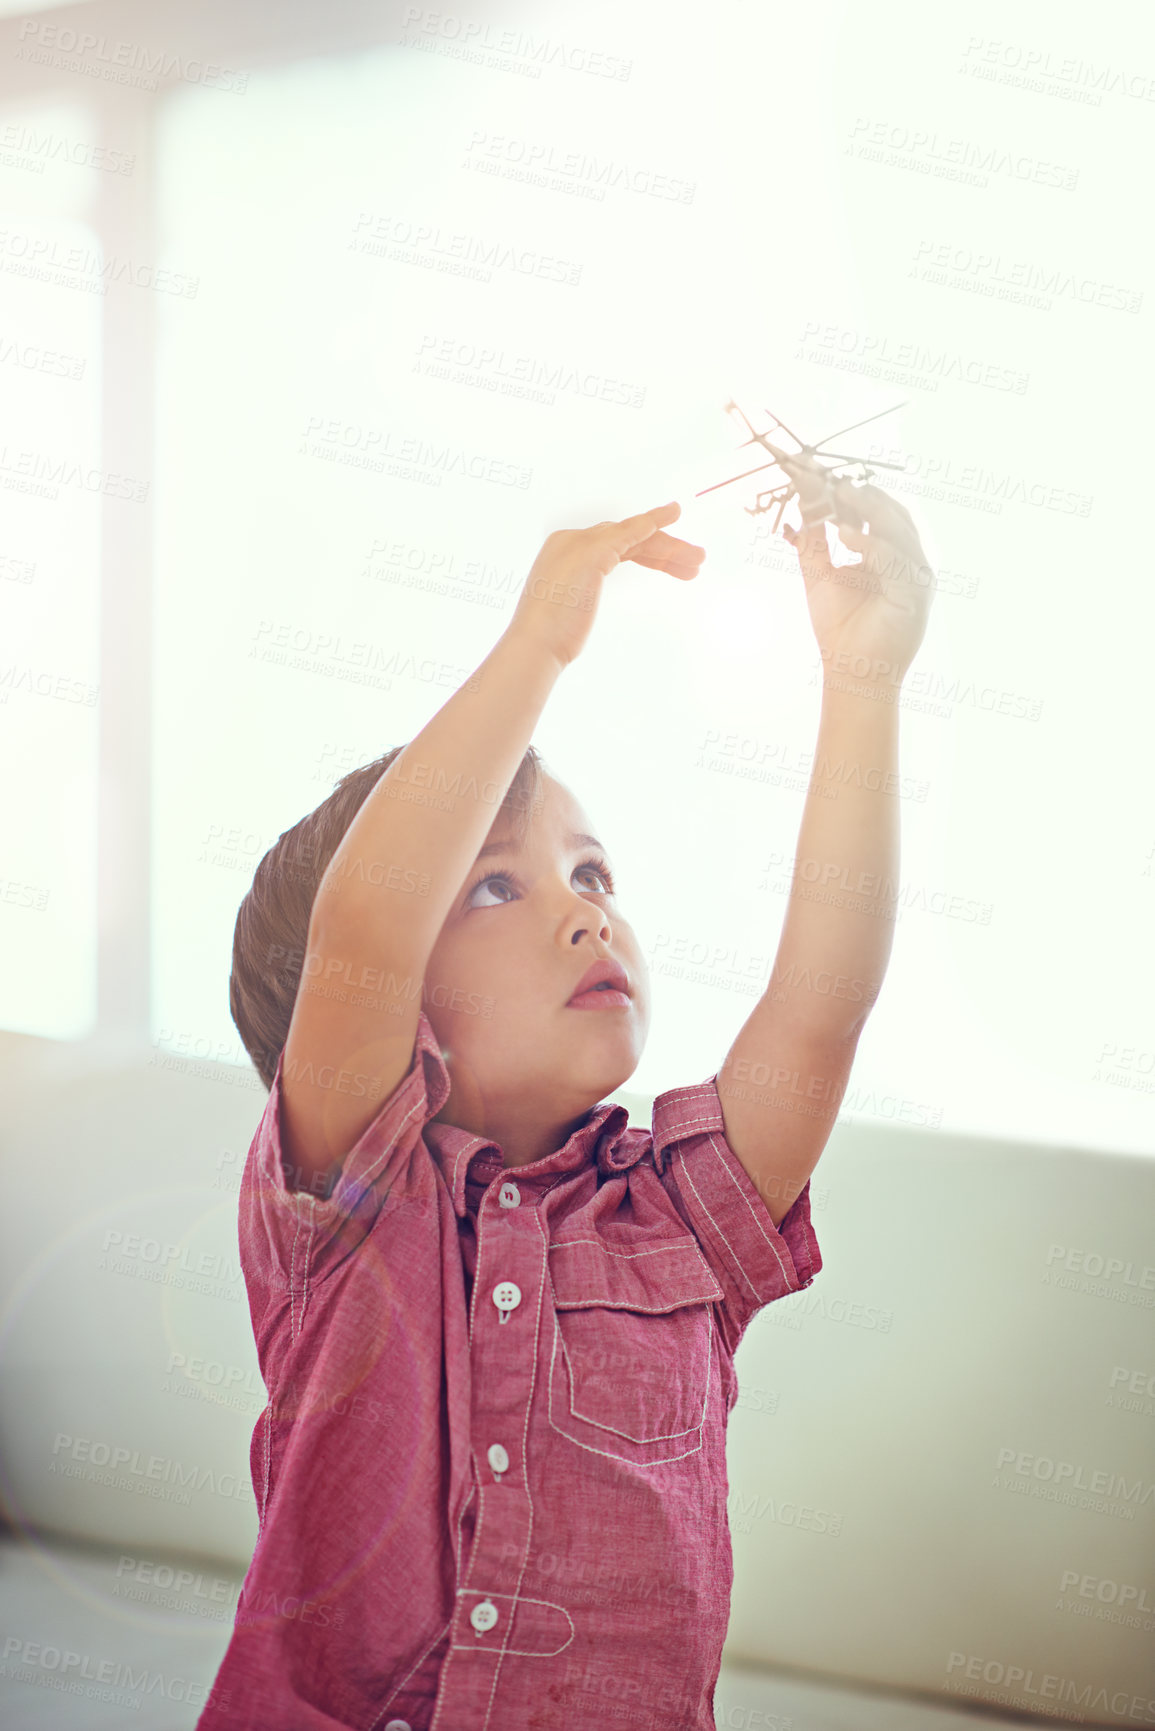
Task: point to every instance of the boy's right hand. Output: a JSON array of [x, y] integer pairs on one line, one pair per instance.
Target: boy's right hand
[[557, 606]]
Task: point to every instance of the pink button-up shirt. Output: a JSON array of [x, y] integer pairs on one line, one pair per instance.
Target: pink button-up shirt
[[491, 1474]]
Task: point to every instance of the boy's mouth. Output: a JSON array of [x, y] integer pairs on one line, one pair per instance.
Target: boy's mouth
[[599, 998], [601, 987]]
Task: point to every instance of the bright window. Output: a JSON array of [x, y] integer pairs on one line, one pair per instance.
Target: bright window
[[50, 484], [364, 344]]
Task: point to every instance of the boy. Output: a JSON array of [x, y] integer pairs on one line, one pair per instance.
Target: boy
[[496, 1324]]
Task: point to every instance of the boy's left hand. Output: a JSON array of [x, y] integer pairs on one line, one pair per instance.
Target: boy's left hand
[[878, 608]]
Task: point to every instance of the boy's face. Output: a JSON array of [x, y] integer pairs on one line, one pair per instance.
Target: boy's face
[[523, 930]]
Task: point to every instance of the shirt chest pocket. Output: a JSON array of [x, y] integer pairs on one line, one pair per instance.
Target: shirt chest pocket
[[633, 1359]]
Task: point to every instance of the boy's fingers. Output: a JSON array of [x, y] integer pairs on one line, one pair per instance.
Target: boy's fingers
[[812, 549], [850, 502], [664, 552], [672, 547], [630, 530], [871, 503], [809, 543]]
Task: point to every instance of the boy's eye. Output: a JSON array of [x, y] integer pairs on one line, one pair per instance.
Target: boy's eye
[[483, 884], [595, 869]]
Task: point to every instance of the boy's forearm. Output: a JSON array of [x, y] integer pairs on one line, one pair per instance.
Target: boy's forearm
[[406, 854], [839, 926]]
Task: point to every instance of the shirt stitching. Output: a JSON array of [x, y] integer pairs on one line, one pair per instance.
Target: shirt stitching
[[520, 1652], [417, 1663], [606, 1453], [300, 1195], [737, 1260], [534, 1347], [461, 1154], [392, 1142], [268, 1452], [666, 1436], [626, 1255], [309, 1244], [438, 1703], [751, 1210], [692, 1121], [627, 1304]]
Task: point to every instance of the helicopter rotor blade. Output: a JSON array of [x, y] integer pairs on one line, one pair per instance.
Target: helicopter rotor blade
[[789, 430], [857, 424], [734, 478], [747, 423], [763, 439], [873, 462]]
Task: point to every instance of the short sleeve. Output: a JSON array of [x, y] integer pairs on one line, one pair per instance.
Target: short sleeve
[[291, 1241], [754, 1260]]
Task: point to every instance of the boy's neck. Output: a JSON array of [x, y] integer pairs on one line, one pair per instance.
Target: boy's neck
[[520, 1143]]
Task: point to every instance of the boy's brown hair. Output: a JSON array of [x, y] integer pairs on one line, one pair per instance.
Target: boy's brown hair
[[272, 929]]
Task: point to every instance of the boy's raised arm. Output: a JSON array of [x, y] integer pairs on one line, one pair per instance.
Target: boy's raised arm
[[781, 1083], [400, 865]]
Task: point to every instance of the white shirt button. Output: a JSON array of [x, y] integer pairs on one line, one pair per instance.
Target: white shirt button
[[483, 1616], [497, 1457], [506, 1295], [397, 1725], [509, 1196]]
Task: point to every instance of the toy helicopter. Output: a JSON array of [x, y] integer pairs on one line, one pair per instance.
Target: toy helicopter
[[808, 473]]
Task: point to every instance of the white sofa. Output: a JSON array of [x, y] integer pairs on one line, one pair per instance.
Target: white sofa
[[942, 1469]]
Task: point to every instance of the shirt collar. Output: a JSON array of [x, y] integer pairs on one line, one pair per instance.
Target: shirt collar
[[602, 1136]]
